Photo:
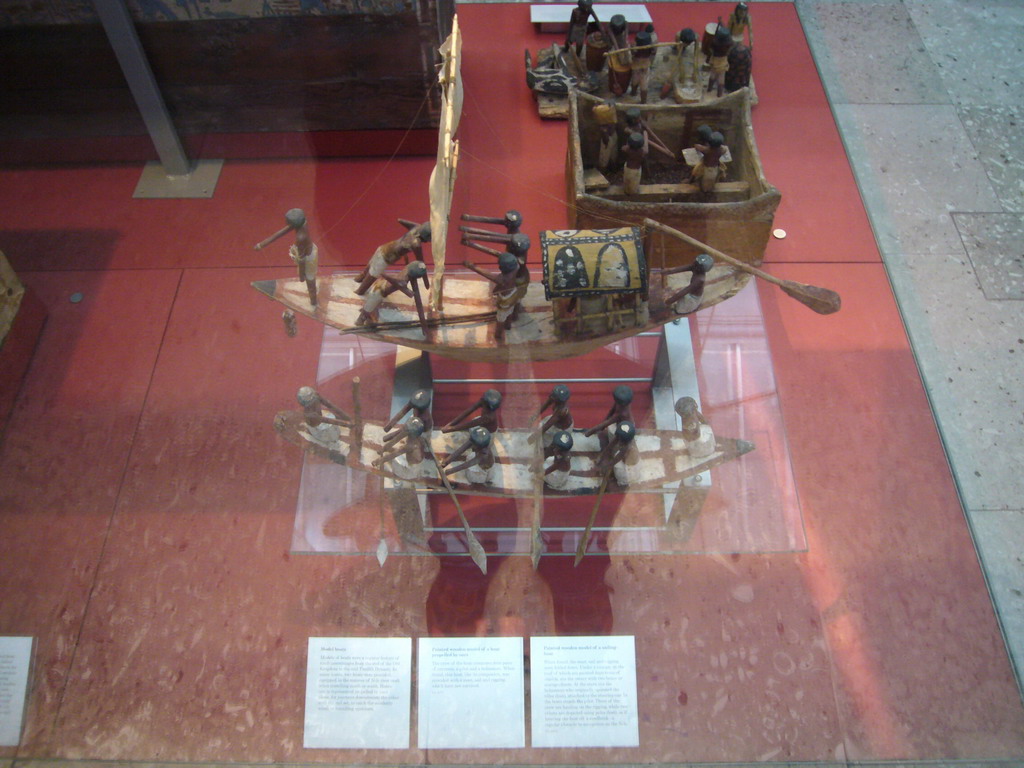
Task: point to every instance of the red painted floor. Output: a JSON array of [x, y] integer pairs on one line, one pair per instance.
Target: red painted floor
[[146, 505]]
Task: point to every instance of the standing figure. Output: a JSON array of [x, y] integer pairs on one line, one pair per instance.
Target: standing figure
[[560, 418], [619, 453], [607, 122], [408, 457], [622, 398], [507, 292], [632, 172], [720, 47], [686, 68], [700, 440], [479, 469], [387, 254], [706, 173], [640, 68], [303, 252], [578, 22], [488, 405], [635, 123], [324, 430], [385, 285], [620, 63], [419, 404], [688, 299], [556, 474], [739, 20]]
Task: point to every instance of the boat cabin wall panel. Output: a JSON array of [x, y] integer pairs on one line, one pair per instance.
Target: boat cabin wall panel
[[334, 72]]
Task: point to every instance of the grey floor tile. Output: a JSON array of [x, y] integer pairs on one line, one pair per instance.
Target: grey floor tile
[[998, 137], [999, 536], [995, 245], [914, 165], [971, 354], [978, 47], [870, 53]]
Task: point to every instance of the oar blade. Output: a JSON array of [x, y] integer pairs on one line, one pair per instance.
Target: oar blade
[[382, 552], [476, 552], [822, 300]]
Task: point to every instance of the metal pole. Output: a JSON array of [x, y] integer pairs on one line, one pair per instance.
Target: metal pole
[[124, 39]]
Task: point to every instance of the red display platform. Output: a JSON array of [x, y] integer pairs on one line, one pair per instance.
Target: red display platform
[[148, 507]]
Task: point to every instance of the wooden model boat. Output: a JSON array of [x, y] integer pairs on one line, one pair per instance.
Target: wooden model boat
[[736, 217], [663, 459]]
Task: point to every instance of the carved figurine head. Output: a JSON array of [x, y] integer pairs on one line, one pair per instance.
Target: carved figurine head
[[420, 399], [716, 139], [623, 394], [562, 440], [687, 36], [307, 396], [635, 141], [625, 432], [560, 393], [617, 23], [507, 263], [414, 427], [723, 37], [519, 244], [686, 407], [492, 399], [741, 11], [703, 263], [295, 218], [423, 232], [643, 37], [479, 437], [704, 133], [417, 269], [632, 116], [514, 218]]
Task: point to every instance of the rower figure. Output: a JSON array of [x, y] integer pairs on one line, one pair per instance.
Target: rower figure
[[507, 291], [619, 454], [700, 439], [419, 404], [480, 468], [488, 405], [304, 252], [389, 253], [622, 398], [323, 430], [407, 450], [556, 473], [560, 418], [688, 299], [407, 281]]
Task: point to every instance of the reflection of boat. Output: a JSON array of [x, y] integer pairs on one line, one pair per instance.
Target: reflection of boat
[[736, 217], [663, 458]]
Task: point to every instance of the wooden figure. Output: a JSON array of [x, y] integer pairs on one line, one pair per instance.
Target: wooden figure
[[578, 24], [685, 73], [479, 469], [739, 20], [688, 299], [303, 252], [640, 67], [707, 172], [322, 428], [419, 404], [620, 62], [389, 253], [622, 398], [619, 453], [607, 121], [700, 439], [635, 123], [408, 450], [720, 47], [632, 173], [556, 473], [560, 418], [488, 405], [507, 291], [407, 281]]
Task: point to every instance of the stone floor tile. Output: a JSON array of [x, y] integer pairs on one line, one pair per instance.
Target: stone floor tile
[[998, 136], [1000, 540], [914, 164], [977, 46], [971, 355], [995, 244], [870, 53]]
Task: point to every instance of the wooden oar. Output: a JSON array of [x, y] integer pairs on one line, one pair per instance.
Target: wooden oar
[[582, 548], [476, 551], [536, 543], [398, 325], [822, 300], [382, 545]]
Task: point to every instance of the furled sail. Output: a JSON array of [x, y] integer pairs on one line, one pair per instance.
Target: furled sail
[[442, 179]]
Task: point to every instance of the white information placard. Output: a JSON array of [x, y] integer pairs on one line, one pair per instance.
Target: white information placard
[[15, 656], [471, 693], [583, 692], [358, 692]]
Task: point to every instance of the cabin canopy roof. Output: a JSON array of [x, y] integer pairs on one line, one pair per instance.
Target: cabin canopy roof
[[592, 262]]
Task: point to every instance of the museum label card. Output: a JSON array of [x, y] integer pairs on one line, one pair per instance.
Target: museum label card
[[15, 655], [358, 692], [583, 692], [471, 693]]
